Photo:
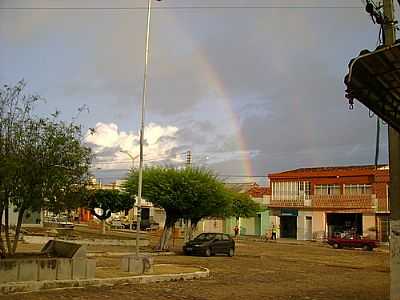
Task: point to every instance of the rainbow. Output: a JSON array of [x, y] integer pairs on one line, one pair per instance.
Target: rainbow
[[216, 83]]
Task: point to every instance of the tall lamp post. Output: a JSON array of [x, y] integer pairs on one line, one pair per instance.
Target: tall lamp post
[[146, 62]]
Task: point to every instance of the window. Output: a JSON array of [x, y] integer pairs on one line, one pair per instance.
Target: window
[[291, 190], [357, 189], [225, 237], [327, 189]]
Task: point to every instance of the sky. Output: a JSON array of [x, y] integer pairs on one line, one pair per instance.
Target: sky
[[251, 87]]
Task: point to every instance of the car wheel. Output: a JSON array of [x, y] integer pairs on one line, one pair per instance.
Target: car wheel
[[207, 252], [231, 252], [367, 248], [336, 246]]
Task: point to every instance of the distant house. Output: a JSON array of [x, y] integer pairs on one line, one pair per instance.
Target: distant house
[[315, 203], [30, 219], [258, 225]]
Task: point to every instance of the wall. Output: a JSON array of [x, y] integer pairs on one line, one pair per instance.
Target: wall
[[30, 219], [158, 215], [368, 222], [210, 225], [229, 225], [319, 225], [301, 230], [36, 269]]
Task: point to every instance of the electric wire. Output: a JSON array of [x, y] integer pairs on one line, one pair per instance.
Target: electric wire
[[208, 7]]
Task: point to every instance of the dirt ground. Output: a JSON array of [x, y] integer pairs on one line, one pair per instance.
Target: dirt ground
[[260, 270]]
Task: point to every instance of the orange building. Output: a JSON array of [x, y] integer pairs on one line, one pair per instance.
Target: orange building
[[314, 203]]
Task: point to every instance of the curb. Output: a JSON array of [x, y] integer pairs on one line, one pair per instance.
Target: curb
[[34, 286], [93, 242], [119, 254]]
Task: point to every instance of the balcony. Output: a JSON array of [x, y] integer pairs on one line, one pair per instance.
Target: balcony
[[344, 201], [328, 201]]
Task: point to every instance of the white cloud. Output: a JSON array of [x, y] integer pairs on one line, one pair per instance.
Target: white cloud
[[108, 141]]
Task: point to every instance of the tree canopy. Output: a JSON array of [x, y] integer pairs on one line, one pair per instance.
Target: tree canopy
[[243, 206], [190, 193], [43, 163], [109, 201]]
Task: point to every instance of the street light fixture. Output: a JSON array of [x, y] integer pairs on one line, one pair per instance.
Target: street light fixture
[[130, 156], [133, 165]]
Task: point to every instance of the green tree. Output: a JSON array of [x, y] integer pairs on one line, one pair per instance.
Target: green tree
[[182, 193], [242, 206], [108, 201], [43, 161]]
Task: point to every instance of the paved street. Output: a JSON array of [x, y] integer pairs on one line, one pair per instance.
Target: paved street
[[260, 270]]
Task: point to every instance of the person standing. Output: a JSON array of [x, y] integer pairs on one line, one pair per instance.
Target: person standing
[[236, 230], [273, 236]]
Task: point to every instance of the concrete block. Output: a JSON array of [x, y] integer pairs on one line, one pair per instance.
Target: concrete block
[[8, 270], [90, 268], [64, 249], [79, 268], [137, 265], [47, 269], [64, 269], [28, 270]]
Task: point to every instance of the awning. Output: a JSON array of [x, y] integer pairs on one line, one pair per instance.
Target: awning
[[374, 80]]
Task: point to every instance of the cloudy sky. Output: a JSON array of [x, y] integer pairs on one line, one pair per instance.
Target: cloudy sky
[[249, 86]]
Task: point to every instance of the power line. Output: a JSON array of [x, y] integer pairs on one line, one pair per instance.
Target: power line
[[184, 7]]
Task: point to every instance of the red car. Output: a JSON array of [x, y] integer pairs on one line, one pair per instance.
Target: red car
[[352, 241]]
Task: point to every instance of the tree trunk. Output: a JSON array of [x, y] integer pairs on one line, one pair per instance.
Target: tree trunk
[[103, 227], [164, 238], [167, 238], [2, 246], [18, 229], [192, 228], [7, 226], [185, 230], [166, 235]]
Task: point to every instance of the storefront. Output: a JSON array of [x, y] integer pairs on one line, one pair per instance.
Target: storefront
[[288, 223], [344, 223]]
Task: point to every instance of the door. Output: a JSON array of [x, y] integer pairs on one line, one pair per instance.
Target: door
[[288, 228], [219, 244], [308, 228], [257, 224]]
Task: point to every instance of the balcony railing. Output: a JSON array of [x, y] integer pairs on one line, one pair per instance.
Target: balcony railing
[[329, 201]]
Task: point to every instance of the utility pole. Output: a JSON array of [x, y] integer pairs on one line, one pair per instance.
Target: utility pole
[[188, 222], [188, 158], [394, 171]]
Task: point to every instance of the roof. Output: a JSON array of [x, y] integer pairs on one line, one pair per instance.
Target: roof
[[330, 171], [241, 187], [259, 191], [373, 79]]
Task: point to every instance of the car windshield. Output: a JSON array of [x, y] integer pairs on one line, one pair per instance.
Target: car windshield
[[205, 237]]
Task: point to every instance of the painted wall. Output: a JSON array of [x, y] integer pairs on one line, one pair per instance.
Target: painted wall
[[319, 225], [368, 222], [249, 226], [30, 219], [301, 224]]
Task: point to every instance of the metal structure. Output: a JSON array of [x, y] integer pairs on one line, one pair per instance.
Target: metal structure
[[374, 80], [144, 94]]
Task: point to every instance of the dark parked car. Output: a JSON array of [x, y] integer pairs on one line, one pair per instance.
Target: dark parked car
[[352, 241], [210, 244]]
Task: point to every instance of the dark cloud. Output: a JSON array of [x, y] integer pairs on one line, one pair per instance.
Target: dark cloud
[[280, 71]]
